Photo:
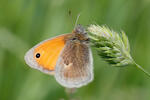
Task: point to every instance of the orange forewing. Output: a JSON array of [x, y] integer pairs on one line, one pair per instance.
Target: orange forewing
[[49, 52]]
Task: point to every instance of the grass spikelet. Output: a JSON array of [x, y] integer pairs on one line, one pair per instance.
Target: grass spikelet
[[114, 48]]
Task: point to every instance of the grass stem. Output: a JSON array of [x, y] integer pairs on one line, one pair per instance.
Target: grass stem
[[141, 68]]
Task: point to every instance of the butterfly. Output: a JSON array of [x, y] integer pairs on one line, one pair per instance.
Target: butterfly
[[68, 57]]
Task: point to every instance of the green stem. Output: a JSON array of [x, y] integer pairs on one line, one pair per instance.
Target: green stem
[[141, 68]]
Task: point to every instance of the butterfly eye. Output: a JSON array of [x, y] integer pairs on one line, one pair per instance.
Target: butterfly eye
[[38, 55], [74, 38], [88, 39], [85, 33]]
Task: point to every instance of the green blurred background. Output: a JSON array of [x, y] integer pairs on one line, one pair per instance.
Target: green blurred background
[[24, 23]]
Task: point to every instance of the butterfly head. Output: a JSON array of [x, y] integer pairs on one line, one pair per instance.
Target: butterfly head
[[79, 35]]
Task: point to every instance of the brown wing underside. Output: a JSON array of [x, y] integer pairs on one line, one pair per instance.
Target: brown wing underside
[[75, 59], [74, 67]]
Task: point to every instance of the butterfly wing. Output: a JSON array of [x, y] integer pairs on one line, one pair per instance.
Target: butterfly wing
[[74, 67], [44, 55]]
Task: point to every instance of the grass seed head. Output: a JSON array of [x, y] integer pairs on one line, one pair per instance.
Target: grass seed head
[[111, 46]]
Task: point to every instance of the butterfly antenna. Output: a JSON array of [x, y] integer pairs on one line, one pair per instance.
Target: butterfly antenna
[[76, 21], [70, 17]]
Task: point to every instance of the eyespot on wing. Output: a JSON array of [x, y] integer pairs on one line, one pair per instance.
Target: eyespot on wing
[[44, 55]]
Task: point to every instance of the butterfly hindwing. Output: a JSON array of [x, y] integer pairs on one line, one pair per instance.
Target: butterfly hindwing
[[74, 67]]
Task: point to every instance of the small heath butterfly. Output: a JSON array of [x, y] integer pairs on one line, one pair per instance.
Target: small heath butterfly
[[68, 57]]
